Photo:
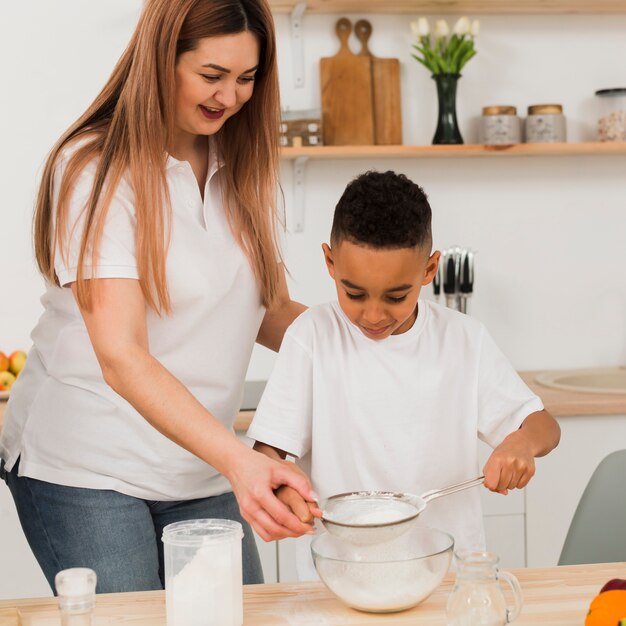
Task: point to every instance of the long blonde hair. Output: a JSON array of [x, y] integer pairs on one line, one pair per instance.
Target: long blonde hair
[[130, 124]]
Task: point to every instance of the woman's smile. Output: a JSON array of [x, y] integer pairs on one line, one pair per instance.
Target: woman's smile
[[210, 113]]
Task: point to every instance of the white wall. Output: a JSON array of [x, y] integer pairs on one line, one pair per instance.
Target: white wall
[[550, 232]]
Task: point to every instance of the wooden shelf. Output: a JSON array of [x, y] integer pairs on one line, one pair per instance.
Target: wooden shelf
[[465, 150], [472, 7]]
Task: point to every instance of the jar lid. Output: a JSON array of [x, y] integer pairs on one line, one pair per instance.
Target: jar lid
[[617, 91], [545, 109], [499, 110], [76, 589], [201, 532]]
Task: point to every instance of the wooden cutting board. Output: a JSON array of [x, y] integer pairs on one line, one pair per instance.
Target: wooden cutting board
[[346, 87], [385, 91]]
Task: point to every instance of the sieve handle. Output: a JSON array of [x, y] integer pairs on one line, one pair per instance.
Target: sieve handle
[[446, 491]]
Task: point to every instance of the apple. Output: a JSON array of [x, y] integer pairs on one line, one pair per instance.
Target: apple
[[6, 381], [614, 583], [4, 362], [17, 361]]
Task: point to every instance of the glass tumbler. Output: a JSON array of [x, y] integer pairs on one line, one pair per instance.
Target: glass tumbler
[[203, 573], [477, 598]]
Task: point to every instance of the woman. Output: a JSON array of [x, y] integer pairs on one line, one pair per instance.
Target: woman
[[154, 230]]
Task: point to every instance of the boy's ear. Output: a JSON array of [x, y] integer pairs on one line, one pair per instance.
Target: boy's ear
[[431, 267], [328, 258]]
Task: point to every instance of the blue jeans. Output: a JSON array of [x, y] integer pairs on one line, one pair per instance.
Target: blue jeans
[[116, 535]]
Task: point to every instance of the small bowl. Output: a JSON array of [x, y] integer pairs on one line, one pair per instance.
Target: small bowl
[[385, 577]]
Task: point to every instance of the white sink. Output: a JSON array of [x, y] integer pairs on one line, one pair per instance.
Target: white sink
[[597, 380]]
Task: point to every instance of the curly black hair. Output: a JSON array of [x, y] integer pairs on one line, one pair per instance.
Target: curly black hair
[[383, 210]]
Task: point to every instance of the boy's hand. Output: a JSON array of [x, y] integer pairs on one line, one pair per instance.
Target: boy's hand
[[305, 511], [511, 465]]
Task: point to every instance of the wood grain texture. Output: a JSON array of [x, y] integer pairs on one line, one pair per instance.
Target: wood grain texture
[[386, 99], [471, 7], [553, 596], [346, 88], [590, 148], [9, 617]]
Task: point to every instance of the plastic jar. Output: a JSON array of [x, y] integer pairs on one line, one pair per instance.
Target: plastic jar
[[76, 595], [545, 124], [203, 573], [612, 121], [499, 125]]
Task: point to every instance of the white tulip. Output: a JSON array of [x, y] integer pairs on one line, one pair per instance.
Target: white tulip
[[475, 28], [422, 27], [462, 27], [441, 29]]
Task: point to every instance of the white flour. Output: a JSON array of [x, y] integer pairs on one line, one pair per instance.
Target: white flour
[[382, 515], [380, 587], [368, 511], [208, 590]]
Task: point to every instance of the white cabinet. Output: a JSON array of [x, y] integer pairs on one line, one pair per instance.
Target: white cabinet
[[504, 518], [553, 495], [268, 551], [20, 574]]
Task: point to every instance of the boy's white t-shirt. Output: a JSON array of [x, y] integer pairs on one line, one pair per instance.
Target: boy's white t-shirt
[[66, 425], [398, 414]]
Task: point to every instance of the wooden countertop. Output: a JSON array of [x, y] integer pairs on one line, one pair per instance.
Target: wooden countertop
[[553, 596], [557, 401]]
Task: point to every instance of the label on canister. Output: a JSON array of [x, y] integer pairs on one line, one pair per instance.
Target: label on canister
[[545, 128], [499, 130]]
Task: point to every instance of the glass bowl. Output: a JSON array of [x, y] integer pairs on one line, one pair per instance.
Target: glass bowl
[[385, 577]]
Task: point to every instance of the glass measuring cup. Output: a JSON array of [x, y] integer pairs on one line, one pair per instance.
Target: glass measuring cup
[[370, 517], [477, 597]]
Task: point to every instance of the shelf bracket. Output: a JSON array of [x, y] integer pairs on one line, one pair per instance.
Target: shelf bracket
[[297, 50], [298, 193]]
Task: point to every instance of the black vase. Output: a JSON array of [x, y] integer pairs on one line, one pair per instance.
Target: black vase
[[447, 125]]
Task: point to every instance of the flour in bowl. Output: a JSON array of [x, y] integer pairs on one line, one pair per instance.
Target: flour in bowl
[[367, 509]]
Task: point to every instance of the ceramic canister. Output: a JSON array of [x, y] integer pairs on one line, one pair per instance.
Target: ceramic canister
[[500, 125], [545, 124]]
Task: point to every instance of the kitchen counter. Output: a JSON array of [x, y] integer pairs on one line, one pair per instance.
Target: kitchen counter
[[553, 596], [563, 403], [557, 401]]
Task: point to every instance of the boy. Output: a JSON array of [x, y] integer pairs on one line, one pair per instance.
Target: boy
[[385, 391]]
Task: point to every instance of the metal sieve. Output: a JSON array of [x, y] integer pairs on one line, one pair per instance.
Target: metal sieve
[[370, 517]]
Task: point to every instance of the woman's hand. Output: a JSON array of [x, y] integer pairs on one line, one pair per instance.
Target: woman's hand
[[254, 478]]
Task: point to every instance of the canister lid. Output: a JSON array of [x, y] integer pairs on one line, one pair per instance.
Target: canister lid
[[76, 589], [545, 109], [202, 532], [499, 110], [617, 91]]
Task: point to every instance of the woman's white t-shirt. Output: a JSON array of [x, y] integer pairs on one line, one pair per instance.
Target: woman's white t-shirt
[[400, 414], [66, 424]]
